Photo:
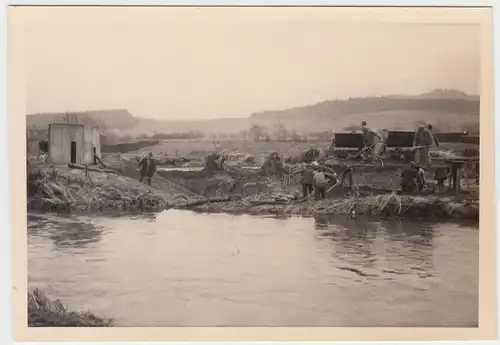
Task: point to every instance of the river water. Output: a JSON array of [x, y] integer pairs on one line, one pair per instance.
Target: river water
[[179, 268]]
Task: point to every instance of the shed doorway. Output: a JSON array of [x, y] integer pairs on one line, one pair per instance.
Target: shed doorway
[[73, 152]]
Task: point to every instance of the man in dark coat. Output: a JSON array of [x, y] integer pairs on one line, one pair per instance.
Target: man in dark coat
[[147, 167], [307, 180], [412, 179], [440, 175]]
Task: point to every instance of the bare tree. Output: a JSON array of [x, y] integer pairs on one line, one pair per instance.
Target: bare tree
[[244, 134], [257, 132], [295, 136], [281, 131]]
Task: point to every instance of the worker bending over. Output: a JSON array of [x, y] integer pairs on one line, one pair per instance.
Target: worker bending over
[[321, 180], [412, 179]]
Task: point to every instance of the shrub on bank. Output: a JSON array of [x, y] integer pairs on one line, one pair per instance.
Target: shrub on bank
[[394, 205], [44, 312]]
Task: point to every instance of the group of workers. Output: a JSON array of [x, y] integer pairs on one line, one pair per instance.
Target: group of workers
[[412, 177], [423, 141], [316, 178]]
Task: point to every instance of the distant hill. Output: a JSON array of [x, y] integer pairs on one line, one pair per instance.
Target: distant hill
[[106, 119], [392, 111], [443, 94], [447, 94], [435, 101]]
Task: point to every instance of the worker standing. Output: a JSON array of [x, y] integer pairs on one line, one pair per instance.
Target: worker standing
[[347, 174], [440, 175], [434, 136], [385, 136], [307, 180], [423, 141], [372, 140], [331, 149], [147, 167]]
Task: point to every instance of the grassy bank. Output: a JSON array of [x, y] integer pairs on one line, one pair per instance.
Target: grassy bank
[[44, 312]]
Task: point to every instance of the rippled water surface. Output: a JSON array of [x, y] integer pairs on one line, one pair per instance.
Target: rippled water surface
[[179, 268]]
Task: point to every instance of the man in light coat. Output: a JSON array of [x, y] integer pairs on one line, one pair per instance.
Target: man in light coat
[[320, 183], [371, 139], [423, 141]]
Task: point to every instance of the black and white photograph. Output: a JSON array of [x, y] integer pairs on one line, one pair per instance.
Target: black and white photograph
[[251, 167]]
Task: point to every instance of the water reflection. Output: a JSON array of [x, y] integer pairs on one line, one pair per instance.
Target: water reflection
[[321, 221], [65, 232], [413, 243], [75, 235], [148, 217], [77, 232], [371, 244], [351, 238]]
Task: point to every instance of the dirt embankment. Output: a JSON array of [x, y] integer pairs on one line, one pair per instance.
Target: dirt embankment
[[270, 189], [64, 189]]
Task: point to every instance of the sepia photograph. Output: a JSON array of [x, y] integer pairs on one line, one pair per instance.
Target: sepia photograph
[[252, 166]]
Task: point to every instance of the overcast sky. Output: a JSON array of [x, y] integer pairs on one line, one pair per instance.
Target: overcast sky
[[209, 63]]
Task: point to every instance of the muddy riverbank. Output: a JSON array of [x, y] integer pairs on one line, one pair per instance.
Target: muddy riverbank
[[386, 205], [234, 190]]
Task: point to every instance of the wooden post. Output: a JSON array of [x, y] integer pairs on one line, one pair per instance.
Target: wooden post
[[466, 165], [289, 175], [450, 178], [457, 180], [455, 176]]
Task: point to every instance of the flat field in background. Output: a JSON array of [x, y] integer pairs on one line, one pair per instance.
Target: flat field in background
[[202, 147]]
